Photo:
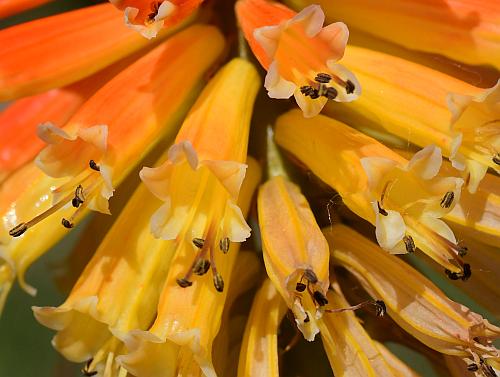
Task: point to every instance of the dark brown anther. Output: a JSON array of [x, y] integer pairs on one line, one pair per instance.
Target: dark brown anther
[[310, 276], [67, 224], [467, 273], [496, 159], [18, 230], [201, 267], [224, 244], [349, 87], [462, 250], [300, 287], [307, 318], [409, 244], [320, 298], [472, 367], [447, 199], [94, 166], [314, 94], [86, 369], [218, 282], [452, 275], [184, 283], [79, 198], [198, 242], [323, 78], [306, 90], [382, 211], [464, 275], [380, 308], [331, 93]]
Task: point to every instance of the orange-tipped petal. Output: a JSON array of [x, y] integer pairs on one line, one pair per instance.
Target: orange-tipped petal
[[11, 7], [55, 51]]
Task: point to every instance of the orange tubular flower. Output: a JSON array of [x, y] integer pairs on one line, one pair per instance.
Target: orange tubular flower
[[11, 7], [464, 30], [148, 17], [299, 53], [85, 160], [55, 51]]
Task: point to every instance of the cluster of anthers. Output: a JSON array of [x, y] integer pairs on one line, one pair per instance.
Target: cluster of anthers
[[320, 88]]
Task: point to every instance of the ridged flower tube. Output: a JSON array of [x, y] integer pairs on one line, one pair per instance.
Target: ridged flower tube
[[298, 53], [425, 106], [351, 351], [201, 223], [259, 349], [295, 252], [117, 292], [148, 17], [58, 50], [463, 30], [413, 302], [102, 143], [403, 199]]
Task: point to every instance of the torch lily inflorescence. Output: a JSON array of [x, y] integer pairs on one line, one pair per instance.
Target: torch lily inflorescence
[[376, 224]]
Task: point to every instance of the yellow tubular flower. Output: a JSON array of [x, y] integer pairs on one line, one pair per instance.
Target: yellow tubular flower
[[199, 184], [117, 292], [425, 107], [349, 348], [132, 112], [403, 199], [259, 349], [413, 302], [463, 30], [295, 251]]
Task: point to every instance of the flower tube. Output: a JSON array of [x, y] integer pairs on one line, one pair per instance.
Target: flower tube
[[425, 107], [259, 349], [414, 302], [295, 252], [66, 48], [403, 199], [298, 53], [349, 348], [148, 17], [86, 160], [462, 30], [200, 222]]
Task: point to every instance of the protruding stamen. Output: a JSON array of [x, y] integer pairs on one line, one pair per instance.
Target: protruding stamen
[[201, 267], [323, 78], [462, 250], [79, 197], [300, 287], [18, 230], [218, 282], [320, 298], [184, 283], [224, 244], [307, 90], [496, 159], [349, 87], [198, 242], [380, 308], [409, 244], [155, 7], [94, 166], [382, 211], [464, 275], [86, 370], [67, 224], [472, 367], [331, 93], [447, 199]]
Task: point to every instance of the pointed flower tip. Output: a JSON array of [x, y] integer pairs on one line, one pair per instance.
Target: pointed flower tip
[[282, 41], [295, 251]]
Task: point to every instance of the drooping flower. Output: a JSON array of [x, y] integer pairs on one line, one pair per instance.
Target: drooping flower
[[295, 252], [298, 53], [465, 126], [199, 185], [102, 143], [404, 199], [149, 17], [462, 30], [414, 302]]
